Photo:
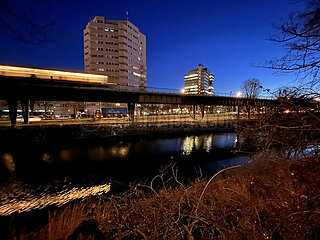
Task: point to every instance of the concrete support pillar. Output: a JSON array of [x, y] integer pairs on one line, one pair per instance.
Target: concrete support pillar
[[25, 105], [248, 111], [238, 111], [75, 111], [202, 110], [13, 105], [194, 111], [131, 109]]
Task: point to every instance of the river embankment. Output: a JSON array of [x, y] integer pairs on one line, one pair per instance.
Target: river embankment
[[269, 198], [66, 132]]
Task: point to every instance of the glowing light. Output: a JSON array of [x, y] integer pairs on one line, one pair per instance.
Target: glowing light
[[32, 201], [9, 162], [187, 145], [197, 143], [207, 144], [137, 74], [47, 158], [123, 151], [192, 75], [182, 90], [193, 86], [50, 74], [238, 94]]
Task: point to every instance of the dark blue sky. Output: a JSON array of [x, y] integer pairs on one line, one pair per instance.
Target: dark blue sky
[[228, 37]]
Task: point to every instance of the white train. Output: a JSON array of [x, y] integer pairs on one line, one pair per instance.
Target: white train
[[62, 75]]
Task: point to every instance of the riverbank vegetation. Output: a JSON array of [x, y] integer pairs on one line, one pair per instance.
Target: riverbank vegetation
[[269, 198], [274, 196], [273, 199]]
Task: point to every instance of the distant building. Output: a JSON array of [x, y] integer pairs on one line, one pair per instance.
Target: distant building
[[117, 49], [199, 81]]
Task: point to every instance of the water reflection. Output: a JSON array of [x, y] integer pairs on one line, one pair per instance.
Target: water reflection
[[187, 145], [27, 200], [69, 155], [213, 167], [97, 153], [47, 158], [207, 145], [208, 142], [8, 162], [128, 160], [120, 151]]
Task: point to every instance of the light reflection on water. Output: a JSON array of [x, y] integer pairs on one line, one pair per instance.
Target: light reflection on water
[[184, 145], [187, 145], [8, 162], [207, 145], [208, 142], [120, 157], [29, 200]]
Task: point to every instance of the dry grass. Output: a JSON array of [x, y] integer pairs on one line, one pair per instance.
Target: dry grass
[[270, 198], [276, 199], [62, 222]]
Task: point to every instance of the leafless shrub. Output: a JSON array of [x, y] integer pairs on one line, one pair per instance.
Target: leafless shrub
[[263, 199], [269, 198]]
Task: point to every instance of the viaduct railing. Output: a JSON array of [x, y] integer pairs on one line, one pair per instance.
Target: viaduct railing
[[24, 89], [132, 88]]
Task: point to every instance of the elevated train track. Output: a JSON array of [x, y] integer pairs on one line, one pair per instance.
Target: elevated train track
[[56, 85]]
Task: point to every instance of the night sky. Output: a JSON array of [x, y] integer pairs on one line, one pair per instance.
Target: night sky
[[228, 37]]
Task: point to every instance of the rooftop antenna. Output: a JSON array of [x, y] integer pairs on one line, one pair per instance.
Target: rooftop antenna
[[127, 15]]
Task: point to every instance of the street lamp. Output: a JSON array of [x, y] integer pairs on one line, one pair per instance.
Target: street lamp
[[238, 94], [182, 90]]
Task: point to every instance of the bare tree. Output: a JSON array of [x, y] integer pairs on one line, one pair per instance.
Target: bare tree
[[286, 93], [299, 34], [47, 106], [251, 88]]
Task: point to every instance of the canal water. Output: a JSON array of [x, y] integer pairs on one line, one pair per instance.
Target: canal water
[[38, 176]]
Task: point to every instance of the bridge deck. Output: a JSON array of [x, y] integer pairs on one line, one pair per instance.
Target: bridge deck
[[58, 90]]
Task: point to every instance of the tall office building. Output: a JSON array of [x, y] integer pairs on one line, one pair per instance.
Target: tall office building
[[199, 81], [117, 49]]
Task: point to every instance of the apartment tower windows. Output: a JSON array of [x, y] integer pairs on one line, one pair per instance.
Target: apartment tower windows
[[118, 39]]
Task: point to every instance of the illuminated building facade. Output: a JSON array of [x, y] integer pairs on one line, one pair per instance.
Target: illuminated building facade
[[199, 81], [117, 49]]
